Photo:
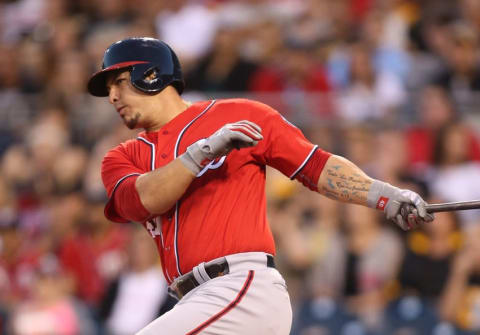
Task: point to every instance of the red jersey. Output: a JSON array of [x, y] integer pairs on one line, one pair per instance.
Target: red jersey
[[223, 211]]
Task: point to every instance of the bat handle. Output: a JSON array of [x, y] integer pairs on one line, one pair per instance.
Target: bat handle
[[453, 206]]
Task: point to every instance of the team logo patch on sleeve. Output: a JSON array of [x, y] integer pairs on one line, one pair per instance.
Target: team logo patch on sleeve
[[382, 202]]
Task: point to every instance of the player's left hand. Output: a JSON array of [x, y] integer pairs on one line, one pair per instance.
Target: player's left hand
[[404, 207], [241, 134], [231, 136]]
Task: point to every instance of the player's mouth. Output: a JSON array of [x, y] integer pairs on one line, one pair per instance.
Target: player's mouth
[[120, 109]]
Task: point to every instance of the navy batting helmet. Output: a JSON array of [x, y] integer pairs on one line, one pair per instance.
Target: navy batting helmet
[[153, 66]]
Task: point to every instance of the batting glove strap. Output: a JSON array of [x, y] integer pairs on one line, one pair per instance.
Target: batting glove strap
[[190, 163], [198, 155], [380, 194]]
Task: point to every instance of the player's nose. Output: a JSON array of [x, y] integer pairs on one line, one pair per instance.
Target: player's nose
[[112, 94]]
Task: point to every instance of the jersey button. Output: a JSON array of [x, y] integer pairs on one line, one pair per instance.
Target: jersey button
[[165, 132], [164, 156]]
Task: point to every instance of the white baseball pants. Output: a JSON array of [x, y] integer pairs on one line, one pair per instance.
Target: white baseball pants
[[251, 299]]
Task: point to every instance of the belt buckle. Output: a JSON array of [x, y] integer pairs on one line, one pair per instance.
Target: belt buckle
[[173, 293], [174, 288], [223, 268]]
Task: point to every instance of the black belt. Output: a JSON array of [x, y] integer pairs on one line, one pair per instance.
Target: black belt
[[187, 282]]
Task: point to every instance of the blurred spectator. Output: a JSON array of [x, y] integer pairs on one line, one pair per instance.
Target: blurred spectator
[[370, 95], [17, 170], [300, 81], [393, 168], [34, 67], [45, 141], [455, 176], [19, 17], [223, 68], [51, 309], [428, 48], [108, 14], [139, 294], [90, 248], [429, 252], [461, 298], [14, 109], [263, 42], [423, 277], [188, 27], [462, 76], [146, 11], [470, 11], [68, 170], [68, 80], [140, 27], [19, 174], [8, 204], [374, 253], [326, 274], [396, 169], [384, 30], [55, 10], [312, 253], [17, 265], [296, 70], [435, 110], [64, 36], [357, 144], [307, 228]]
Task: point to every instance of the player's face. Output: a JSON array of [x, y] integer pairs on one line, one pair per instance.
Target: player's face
[[130, 103]]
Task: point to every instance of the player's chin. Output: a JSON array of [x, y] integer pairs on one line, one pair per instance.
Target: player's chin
[[131, 123]]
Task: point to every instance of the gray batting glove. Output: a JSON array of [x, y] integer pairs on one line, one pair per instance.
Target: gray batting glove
[[404, 207], [231, 136]]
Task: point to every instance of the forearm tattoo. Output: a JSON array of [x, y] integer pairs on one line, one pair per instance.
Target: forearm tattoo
[[345, 185]]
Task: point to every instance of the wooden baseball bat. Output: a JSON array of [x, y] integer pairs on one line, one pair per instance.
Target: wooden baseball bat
[[453, 206]]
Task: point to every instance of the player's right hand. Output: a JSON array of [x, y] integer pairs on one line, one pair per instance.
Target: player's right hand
[[231, 136], [404, 207]]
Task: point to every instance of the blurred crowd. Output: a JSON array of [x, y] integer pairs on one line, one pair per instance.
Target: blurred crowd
[[392, 85]]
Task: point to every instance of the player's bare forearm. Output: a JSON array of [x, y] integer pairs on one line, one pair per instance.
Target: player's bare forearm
[[162, 187], [344, 181]]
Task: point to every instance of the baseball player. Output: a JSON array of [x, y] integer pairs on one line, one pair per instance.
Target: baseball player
[[195, 180]]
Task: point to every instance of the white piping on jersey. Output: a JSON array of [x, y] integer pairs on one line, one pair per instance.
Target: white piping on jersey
[[122, 179], [188, 125], [304, 162], [152, 167], [152, 146], [177, 205]]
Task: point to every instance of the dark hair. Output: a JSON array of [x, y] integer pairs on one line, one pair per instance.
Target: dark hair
[[441, 143]]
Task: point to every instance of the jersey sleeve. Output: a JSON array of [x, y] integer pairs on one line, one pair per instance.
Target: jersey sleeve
[[118, 175], [285, 148]]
